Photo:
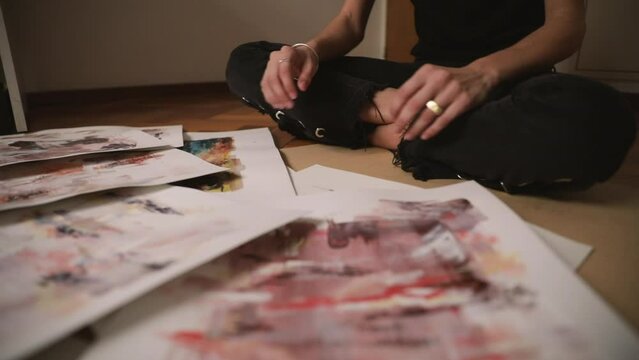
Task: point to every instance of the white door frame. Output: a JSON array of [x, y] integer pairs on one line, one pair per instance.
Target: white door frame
[[10, 76]]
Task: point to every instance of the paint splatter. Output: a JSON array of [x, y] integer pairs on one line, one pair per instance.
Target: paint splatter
[[152, 207]]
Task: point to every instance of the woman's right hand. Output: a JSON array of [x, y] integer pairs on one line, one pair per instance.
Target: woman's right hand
[[288, 70]]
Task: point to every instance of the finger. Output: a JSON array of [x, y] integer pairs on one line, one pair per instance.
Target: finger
[[286, 78], [306, 75], [428, 118], [276, 98], [404, 93], [280, 98], [267, 93], [458, 107], [437, 80], [285, 63], [420, 78], [428, 76], [421, 123], [444, 99], [414, 108], [266, 87]]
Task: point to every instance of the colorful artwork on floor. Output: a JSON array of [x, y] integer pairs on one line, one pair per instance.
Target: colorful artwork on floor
[[27, 184], [65, 264], [316, 179], [217, 151], [255, 170], [57, 143], [439, 274]]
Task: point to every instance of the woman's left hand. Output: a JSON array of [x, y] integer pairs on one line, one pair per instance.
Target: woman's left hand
[[454, 90]]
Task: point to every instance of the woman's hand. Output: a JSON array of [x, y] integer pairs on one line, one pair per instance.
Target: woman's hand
[[285, 69], [455, 90]]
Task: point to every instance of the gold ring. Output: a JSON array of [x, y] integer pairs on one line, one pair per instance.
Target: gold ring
[[434, 107], [282, 60]]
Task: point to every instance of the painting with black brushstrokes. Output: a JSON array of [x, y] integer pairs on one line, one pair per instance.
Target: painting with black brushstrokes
[[58, 143], [23, 185]]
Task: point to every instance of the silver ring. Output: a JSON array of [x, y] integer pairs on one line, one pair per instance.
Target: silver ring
[[282, 60]]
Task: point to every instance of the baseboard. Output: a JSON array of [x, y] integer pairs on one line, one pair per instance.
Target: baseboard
[[70, 97]]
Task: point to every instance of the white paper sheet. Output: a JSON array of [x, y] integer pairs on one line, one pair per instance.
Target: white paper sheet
[[260, 173], [65, 264], [31, 184], [573, 253], [318, 178], [58, 143], [379, 274]]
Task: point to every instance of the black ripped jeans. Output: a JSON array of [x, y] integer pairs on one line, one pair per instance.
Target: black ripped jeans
[[546, 131]]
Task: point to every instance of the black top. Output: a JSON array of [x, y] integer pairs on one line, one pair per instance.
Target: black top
[[456, 32]]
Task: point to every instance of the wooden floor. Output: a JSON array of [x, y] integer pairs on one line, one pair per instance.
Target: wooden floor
[[205, 107], [208, 107]]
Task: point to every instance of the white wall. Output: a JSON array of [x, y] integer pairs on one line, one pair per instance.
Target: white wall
[[610, 50], [86, 44]]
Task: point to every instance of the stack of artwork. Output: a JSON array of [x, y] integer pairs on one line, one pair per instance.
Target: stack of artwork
[[65, 263], [54, 164], [207, 251]]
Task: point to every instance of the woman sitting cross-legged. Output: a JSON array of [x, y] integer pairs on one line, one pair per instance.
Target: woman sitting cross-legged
[[480, 101]]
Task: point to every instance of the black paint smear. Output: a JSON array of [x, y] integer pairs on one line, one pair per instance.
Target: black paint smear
[[150, 206], [158, 266], [117, 146], [86, 141], [26, 145], [403, 342], [66, 230], [210, 182], [62, 278]]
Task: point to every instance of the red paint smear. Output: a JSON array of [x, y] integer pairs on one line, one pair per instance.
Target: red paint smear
[[389, 292], [194, 340]]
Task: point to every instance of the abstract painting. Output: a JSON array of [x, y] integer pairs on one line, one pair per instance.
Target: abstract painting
[[437, 274], [57, 143], [33, 184], [255, 169], [217, 151], [65, 264], [317, 178]]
